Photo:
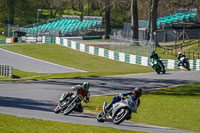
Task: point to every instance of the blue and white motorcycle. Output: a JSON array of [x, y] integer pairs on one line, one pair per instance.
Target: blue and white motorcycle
[[119, 112]]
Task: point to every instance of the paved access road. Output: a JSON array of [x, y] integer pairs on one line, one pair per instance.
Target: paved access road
[[30, 64], [37, 99]]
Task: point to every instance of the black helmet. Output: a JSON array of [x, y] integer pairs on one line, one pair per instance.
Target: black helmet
[[86, 86], [138, 92]]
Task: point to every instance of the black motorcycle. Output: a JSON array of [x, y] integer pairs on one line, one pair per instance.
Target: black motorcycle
[[184, 63], [157, 66], [68, 104]]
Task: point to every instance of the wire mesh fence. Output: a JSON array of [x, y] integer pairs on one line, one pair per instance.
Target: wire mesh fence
[[127, 45]]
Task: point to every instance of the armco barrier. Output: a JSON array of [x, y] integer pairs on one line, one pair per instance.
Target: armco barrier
[[3, 41], [19, 39], [91, 37], [6, 70], [7, 40], [123, 57]]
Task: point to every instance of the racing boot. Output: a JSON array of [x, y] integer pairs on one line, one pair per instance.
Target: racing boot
[[107, 108]]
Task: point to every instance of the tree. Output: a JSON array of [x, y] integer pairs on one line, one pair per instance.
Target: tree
[[11, 9], [134, 19], [54, 6], [7, 10], [153, 20], [107, 18]]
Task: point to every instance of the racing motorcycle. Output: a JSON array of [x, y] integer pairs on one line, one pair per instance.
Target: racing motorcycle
[[119, 112], [156, 65], [184, 63], [68, 104]]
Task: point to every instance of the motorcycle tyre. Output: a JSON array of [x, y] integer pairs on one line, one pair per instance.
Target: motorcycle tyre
[[163, 71], [57, 109], [118, 121], [100, 116], [70, 108], [158, 72], [187, 66]]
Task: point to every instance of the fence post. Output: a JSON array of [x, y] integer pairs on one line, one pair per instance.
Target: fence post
[[189, 54], [193, 55], [163, 50], [175, 52]]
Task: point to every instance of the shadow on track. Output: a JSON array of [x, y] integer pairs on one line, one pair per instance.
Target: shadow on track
[[28, 104], [115, 83], [82, 115]]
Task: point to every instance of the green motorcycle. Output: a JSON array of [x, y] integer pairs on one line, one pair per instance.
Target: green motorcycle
[[157, 66]]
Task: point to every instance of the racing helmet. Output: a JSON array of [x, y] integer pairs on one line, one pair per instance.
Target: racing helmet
[[138, 92], [180, 53], [153, 52], [86, 86]]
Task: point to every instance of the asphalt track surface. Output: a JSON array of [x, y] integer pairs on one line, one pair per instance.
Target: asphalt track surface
[[37, 99], [30, 64]]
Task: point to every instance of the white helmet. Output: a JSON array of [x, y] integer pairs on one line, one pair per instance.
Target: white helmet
[[180, 53]]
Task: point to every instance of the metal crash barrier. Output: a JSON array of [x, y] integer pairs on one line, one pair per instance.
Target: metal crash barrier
[[6, 70]]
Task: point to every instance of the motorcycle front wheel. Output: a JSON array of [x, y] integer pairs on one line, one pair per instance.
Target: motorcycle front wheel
[[57, 109], [100, 117], [120, 116], [157, 70]]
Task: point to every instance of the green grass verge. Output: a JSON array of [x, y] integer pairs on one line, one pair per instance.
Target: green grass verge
[[94, 65], [159, 50], [4, 78], [11, 124], [176, 107], [194, 48], [189, 45]]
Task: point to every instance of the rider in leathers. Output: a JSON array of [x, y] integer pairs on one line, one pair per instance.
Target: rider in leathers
[[135, 95], [155, 56], [82, 90]]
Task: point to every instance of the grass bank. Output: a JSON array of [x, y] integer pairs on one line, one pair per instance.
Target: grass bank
[[10, 124], [176, 107], [94, 65], [188, 46]]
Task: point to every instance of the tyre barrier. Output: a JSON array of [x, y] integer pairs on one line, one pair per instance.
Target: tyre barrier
[[6, 71]]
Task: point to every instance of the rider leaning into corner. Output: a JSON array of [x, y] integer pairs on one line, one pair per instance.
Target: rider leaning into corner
[[180, 55], [155, 56], [135, 95], [83, 90]]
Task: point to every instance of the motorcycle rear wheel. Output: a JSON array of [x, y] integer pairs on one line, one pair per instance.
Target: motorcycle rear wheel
[[120, 116]]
